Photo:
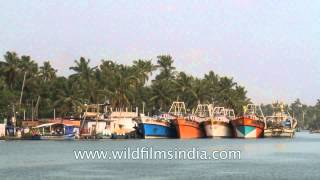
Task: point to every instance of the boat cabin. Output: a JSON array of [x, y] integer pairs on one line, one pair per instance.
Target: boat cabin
[[56, 129], [122, 122]]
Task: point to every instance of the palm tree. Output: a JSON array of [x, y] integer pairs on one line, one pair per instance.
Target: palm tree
[[183, 85], [84, 77], [143, 69], [212, 83], [200, 92], [167, 71], [162, 94], [225, 86], [66, 97], [163, 86], [122, 87], [47, 72], [29, 77], [10, 68], [82, 70]]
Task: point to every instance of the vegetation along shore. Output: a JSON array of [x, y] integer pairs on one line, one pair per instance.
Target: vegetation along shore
[[34, 91]]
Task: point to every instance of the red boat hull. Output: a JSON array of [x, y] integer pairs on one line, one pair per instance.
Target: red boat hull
[[187, 129], [245, 127]]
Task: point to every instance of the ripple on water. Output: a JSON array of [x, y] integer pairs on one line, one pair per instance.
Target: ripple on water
[[262, 159]]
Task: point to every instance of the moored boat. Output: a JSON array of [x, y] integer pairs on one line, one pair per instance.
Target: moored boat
[[218, 125], [251, 124], [187, 127], [156, 127], [280, 124], [56, 131]]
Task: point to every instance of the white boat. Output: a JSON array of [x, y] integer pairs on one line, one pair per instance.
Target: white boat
[[56, 131], [280, 124], [218, 125]]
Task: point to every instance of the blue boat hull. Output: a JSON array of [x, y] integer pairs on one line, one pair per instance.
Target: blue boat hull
[[150, 130]]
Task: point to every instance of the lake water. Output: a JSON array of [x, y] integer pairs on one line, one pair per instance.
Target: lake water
[[261, 159]]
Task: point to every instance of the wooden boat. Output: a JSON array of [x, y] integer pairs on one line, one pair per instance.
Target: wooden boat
[[187, 127], [280, 124], [218, 125], [251, 124], [56, 131], [156, 127]]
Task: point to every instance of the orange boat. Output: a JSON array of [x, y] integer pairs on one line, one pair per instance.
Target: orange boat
[[187, 128]]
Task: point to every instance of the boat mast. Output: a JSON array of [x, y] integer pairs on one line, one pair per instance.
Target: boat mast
[[177, 108], [202, 110]]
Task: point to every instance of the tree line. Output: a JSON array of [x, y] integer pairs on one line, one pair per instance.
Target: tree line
[[38, 90]]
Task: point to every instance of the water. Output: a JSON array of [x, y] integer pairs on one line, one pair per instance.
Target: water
[[261, 159]]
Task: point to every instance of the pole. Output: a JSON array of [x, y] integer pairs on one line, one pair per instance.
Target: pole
[[143, 104], [32, 110], [14, 116], [54, 114], [37, 107], [24, 79], [303, 118]]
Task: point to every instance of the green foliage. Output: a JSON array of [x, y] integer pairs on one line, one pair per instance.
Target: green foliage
[[122, 85]]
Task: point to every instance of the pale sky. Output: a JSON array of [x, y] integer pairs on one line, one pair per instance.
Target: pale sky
[[271, 47]]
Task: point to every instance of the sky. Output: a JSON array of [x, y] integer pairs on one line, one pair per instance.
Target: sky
[[271, 47]]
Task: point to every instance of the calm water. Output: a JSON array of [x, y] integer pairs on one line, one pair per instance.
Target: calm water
[[297, 158]]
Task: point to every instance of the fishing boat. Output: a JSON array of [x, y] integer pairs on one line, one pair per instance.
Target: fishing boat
[[121, 123], [219, 123], [187, 127], [251, 124], [93, 122], [280, 124], [156, 127], [56, 131]]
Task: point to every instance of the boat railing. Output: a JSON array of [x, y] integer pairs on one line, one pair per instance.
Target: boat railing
[[177, 109], [221, 118], [255, 117], [203, 110]]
